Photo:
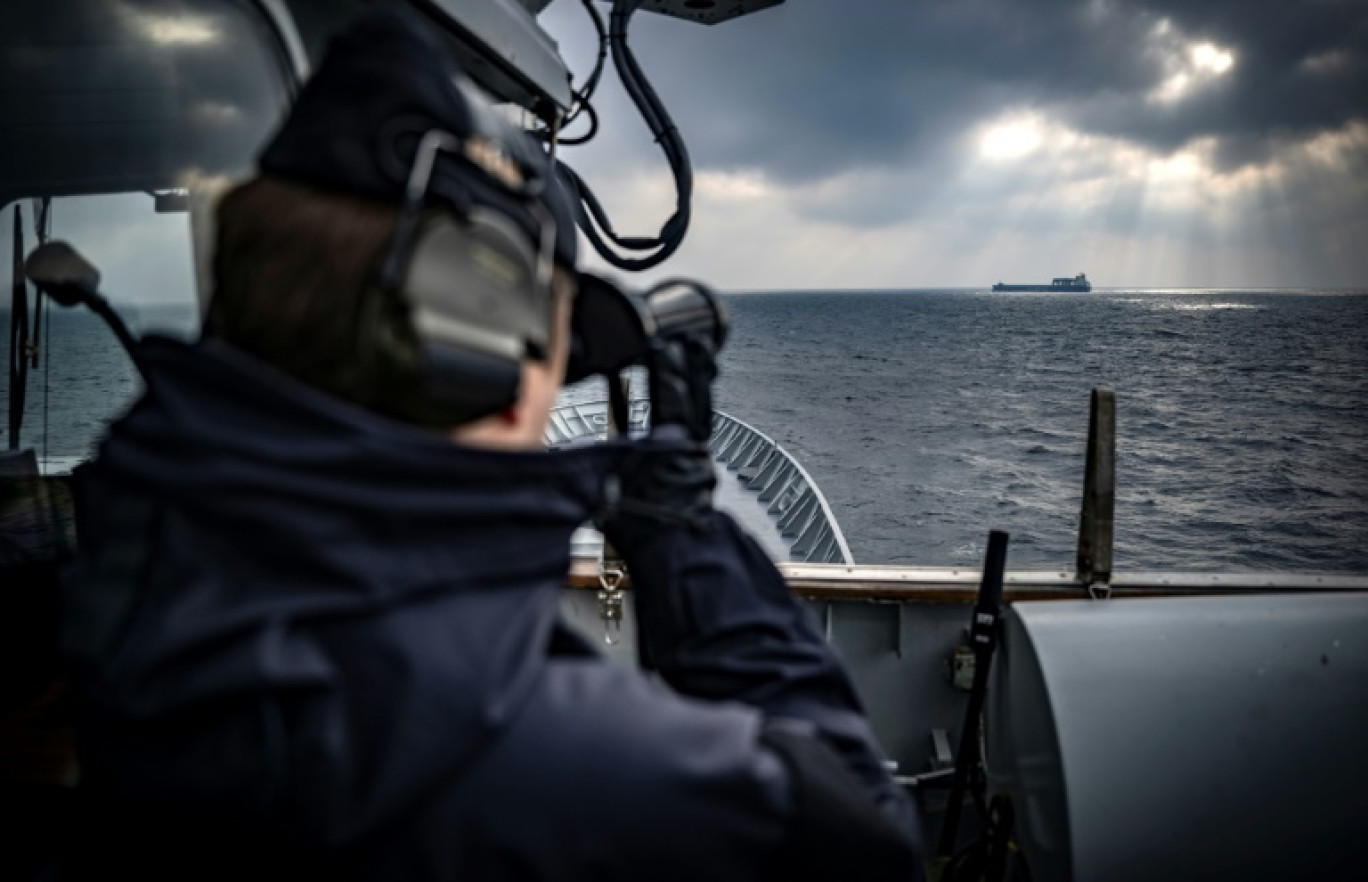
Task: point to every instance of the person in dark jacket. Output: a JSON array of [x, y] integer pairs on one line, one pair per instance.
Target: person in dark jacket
[[314, 621]]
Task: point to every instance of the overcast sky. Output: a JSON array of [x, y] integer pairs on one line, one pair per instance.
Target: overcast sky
[[914, 143], [926, 143]]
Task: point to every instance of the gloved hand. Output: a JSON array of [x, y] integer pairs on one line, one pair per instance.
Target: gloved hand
[[667, 481], [681, 377]]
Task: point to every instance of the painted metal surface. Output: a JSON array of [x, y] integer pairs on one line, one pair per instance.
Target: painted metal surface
[[1194, 737], [900, 630], [791, 496]]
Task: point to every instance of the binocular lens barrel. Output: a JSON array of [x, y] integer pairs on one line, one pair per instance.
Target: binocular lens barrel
[[613, 328], [682, 309]]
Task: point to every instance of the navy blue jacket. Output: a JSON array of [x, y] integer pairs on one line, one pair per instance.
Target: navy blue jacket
[[297, 623]]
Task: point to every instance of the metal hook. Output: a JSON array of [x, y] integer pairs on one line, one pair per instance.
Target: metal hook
[[610, 605]]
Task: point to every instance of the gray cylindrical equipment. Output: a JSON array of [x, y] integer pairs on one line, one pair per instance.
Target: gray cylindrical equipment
[[1185, 738]]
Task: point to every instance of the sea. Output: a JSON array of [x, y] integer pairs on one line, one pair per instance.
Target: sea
[[929, 417]]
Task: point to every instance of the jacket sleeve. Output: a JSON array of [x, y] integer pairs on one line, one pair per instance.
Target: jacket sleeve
[[717, 622]]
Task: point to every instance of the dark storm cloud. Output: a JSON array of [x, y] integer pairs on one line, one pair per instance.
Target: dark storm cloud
[[1301, 68], [812, 89]]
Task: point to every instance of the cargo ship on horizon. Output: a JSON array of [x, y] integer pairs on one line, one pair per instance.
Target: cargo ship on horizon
[[1077, 283]]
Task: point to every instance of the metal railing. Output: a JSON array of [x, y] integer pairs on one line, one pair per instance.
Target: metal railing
[[763, 466], [782, 487], [794, 501], [960, 585]]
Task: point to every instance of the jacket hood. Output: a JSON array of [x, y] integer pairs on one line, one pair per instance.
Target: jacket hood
[[373, 597]]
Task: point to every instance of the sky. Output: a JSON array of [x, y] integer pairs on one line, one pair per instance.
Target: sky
[[899, 144], [884, 144]]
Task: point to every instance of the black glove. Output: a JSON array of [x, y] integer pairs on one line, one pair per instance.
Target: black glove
[[667, 481], [682, 372]]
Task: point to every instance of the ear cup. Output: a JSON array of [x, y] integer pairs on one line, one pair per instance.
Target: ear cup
[[468, 309]]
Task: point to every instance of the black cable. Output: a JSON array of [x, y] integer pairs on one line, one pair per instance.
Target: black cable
[[641, 91], [582, 95], [585, 198], [587, 136], [100, 306], [587, 90], [658, 119], [630, 72], [594, 221]]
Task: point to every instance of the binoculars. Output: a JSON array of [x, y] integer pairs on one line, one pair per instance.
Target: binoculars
[[613, 328]]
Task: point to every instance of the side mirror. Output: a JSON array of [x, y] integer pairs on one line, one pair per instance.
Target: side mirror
[[63, 274]]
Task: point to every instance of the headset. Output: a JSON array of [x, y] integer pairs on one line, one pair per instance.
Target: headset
[[463, 298]]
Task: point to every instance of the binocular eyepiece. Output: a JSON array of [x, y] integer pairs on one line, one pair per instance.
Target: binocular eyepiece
[[613, 328]]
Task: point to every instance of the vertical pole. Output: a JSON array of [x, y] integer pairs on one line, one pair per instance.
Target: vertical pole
[[1095, 526], [983, 633], [19, 334], [42, 225]]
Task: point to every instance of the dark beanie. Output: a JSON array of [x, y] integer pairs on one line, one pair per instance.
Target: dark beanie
[[385, 82]]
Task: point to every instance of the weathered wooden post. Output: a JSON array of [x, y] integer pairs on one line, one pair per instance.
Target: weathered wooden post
[[1099, 492]]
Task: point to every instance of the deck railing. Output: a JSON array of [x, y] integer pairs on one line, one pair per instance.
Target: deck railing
[[960, 585], [803, 514], [764, 469], [793, 498]]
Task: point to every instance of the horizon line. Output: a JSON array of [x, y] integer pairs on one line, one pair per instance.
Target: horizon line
[[157, 304]]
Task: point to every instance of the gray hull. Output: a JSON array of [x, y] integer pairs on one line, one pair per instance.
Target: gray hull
[[1001, 287]]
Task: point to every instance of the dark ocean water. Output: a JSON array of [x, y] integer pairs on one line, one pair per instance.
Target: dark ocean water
[[929, 417]]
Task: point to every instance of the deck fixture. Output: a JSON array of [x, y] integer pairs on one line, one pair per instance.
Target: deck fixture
[[983, 637], [1096, 523]]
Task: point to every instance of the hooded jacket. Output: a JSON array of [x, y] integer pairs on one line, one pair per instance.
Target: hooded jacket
[[309, 639]]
